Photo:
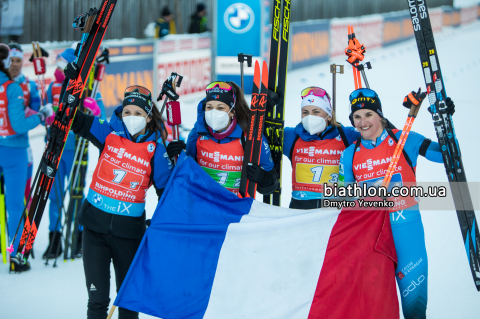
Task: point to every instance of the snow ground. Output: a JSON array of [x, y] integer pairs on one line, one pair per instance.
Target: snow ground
[[60, 292]]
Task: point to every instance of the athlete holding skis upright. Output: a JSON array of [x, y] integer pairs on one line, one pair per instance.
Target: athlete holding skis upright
[[14, 127], [133, 158], [377, 146], [314, 148], [218, 137]]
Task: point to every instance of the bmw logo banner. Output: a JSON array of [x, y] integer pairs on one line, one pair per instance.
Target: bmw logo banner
[[239, 28]]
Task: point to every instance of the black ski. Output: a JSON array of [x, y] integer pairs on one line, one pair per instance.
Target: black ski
[[94, 25], [277, 81], [246, 189], [446, 133]]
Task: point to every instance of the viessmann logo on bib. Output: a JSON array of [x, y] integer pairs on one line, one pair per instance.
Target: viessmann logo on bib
[[369, 164], [121, 153], [216, 156], [312, 151]]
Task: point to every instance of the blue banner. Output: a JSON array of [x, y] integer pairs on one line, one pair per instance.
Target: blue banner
[[309, 43], [239, 30]]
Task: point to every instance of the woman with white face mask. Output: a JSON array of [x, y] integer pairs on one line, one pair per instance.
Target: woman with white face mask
[[132, 158], [314, 148], [217, 140]]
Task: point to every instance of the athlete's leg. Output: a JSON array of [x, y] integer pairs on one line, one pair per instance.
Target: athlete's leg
[[412, 269]]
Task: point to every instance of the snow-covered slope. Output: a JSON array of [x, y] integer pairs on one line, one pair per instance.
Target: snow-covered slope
[[60, 292]]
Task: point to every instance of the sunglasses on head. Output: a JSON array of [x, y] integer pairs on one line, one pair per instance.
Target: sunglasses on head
[[139, 89], [222, 85], [364, 92], [316, 91]]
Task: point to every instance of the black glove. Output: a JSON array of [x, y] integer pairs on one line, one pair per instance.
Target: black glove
[[44, 54], [272, 98], [175, 148], [71, 70], [255, 173], [148, 222], [414, 98], [450, 106]]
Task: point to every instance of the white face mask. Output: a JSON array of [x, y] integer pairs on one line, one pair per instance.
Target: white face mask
[[314, 124], [216, 119], [134, 124]]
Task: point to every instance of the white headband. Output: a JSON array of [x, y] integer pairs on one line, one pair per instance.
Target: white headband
[[319, 101], [16, 53]]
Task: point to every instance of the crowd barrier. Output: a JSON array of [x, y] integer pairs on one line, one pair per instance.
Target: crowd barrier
[[150, 62]]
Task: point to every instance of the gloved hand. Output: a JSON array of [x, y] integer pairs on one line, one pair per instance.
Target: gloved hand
[[91, 104], [45, 111], [174, 148], [71, 70], [450, 106], [49, 120], [255, 173], [272, 98], [414, 98]]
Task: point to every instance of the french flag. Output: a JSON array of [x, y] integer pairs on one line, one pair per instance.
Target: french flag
[[210, 254]]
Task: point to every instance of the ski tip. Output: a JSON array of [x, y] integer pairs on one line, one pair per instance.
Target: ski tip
[[265, 74], [256, 75]]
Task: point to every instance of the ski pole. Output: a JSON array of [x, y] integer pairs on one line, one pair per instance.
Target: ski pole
[[242, 58], [3, 221], [334, 71], [400, 145]]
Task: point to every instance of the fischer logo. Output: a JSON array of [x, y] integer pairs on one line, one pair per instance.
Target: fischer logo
[[414, 13], [217, 157], [369, 164], [312, 151], [413, 285], [276, 20], [121, 153]]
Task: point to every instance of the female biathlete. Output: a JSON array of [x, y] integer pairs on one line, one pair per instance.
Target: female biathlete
[[132, 158], [218, 137], [14, 127], [314, 148], [367, 162]]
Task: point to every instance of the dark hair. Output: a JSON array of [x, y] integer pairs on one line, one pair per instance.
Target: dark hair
[[201, 7], [157, 124], [241, 107], [4, 52], [166, 11]]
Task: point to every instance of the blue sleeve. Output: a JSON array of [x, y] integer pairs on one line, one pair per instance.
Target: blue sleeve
[[288, 139], [412, 148], [99, 101], [434, 153], [192, 142], [346, 170], [34, 96], [162, 166], [266, 161], [49, 94], [351, 133], [100, 129], [16, 111]]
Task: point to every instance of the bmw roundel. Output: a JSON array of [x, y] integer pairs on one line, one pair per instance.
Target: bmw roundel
[[151, 147], [239, 18], [97, 199]]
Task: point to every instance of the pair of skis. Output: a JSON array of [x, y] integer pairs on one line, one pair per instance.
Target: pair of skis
[[445, 131], [277, 81], [254, 137], [94, 25]]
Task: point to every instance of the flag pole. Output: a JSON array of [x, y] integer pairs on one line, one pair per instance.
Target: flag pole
[[110, 314]]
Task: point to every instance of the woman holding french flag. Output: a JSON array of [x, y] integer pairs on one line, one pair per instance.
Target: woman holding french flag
[[367, 162], [218, 137]]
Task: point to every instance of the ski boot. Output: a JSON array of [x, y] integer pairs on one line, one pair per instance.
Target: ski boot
[[18, 266]]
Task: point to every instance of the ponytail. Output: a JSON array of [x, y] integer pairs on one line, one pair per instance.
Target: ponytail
[[241, 107], [157, 124], [4, 53]]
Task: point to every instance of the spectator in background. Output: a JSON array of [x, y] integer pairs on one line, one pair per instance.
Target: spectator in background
[[166, 24], [199, 21]]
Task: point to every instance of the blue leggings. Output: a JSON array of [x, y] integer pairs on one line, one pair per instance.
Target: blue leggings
[[57, 192], [14, 164], [412, 269]]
